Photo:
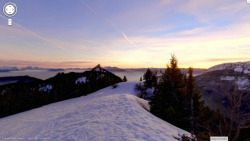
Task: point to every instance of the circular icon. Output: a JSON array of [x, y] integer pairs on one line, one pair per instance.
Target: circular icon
[[10, 9]]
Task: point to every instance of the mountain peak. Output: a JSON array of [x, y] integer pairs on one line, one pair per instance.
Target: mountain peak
[[98, 68]]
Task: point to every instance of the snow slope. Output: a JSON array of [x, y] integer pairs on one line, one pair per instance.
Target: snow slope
[[108, 114]]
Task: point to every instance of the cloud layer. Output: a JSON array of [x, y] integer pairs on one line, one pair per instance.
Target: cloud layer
[[127, 34]]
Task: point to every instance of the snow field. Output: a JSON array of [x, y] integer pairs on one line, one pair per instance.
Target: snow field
[[106, 115]]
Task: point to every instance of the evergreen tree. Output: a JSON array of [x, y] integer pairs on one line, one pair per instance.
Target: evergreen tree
[[154, 79], [177, 100], [125, 79], [140, 78], [167, 101], [148, 77], [195, 104], [202, 121]]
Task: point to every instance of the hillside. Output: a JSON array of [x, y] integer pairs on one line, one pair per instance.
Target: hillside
[[19, 97], [224, 76], [241, 67], [108, 114]]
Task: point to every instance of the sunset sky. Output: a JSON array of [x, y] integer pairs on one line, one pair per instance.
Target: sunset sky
[[125, 33]]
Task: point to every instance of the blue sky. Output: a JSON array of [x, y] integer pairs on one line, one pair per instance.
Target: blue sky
[[125, 33]]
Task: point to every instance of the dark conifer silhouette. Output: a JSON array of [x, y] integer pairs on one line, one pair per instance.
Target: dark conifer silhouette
[[148, 78], [167, 100], [177, 100], [125, 79]]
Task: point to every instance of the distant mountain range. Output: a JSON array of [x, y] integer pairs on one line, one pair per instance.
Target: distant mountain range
[[113, 69], [15, 79], [197, 71], [10, 69]]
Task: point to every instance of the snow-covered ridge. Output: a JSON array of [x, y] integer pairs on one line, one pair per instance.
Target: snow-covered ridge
[[239, 73], [108, 114], [240, 67]]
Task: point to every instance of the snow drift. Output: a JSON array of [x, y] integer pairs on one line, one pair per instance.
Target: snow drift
[[108, 114]]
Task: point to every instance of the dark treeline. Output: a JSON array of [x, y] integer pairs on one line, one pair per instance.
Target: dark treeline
[[177, 100], [18, 97]]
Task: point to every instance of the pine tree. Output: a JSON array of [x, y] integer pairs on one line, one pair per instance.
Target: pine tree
[[167, 101], [125, 79], [190, 90], [195, 104], [202, 121], [140, 78], [148, 78], [154, 79]]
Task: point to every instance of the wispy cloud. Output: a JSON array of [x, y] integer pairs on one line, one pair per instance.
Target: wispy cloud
[[126, 38], [225, 59], [3, 17], [24, 32], [88, 6], [19, 32], [156, 29], [109, 21], [63, 64], [197, 46], [166, 2], [213, 11]]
